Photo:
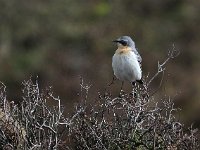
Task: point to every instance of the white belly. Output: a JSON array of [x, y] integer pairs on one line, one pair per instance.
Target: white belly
[[126, 67]]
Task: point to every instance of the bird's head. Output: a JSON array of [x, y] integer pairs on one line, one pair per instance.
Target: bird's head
[[124, 41]]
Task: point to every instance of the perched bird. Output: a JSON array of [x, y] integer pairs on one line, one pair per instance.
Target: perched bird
[[126, 62]]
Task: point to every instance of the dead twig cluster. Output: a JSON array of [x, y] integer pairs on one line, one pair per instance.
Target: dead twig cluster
[[131, 121]]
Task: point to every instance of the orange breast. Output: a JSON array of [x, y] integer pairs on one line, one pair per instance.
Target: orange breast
[[123, 50]]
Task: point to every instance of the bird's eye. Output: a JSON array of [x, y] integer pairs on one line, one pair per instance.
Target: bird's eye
[[124, 43]]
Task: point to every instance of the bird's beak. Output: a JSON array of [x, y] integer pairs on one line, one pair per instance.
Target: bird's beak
[[116, 41]]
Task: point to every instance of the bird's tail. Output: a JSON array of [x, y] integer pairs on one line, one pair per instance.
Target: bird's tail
[[140, 81]]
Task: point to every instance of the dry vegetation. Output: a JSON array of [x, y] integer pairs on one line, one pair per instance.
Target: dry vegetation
[[131, 121]]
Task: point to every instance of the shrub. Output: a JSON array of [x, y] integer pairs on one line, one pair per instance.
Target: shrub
[[130, 121]]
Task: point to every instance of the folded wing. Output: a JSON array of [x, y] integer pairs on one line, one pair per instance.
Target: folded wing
[[139, 58]]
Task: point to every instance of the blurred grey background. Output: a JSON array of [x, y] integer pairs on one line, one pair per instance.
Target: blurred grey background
[[64, 39]]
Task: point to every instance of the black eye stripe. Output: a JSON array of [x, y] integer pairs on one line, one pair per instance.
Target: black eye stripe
[[124, 43]]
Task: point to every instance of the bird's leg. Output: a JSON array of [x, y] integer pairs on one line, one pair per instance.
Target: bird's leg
[[108, 86], [133, 91], [122, 86], [112, 82], [121, 91], [139, 81]]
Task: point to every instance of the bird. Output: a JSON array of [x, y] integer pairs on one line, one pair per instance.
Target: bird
[[126, 62]]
